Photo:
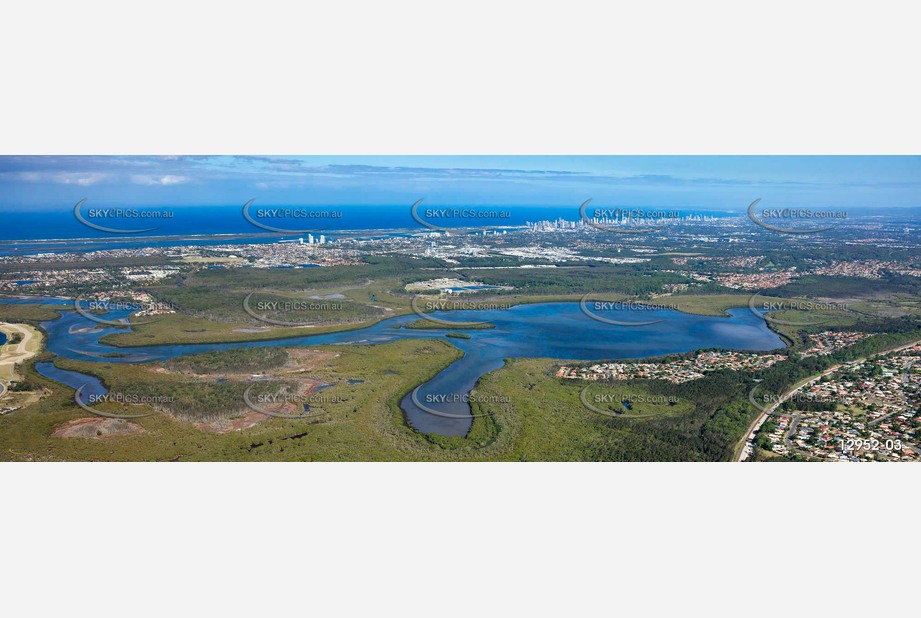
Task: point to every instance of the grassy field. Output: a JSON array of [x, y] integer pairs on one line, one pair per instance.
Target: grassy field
[[180, 329], [529, 414], [791, 324], [361, 422], [709, 304], [545, 419], [422, 324], [31, 314], [211, 308]]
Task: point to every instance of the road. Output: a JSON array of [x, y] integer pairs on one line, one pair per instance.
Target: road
[[748, 444], [788, 438]]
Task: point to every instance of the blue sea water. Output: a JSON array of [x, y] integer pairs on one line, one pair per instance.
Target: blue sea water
[[20, 227]]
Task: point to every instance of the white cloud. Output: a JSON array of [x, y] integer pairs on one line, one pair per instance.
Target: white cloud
[[172, 180], [60, 178], [85, 181], [144, 179]]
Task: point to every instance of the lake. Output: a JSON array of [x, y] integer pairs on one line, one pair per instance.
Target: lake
[[542, 330]]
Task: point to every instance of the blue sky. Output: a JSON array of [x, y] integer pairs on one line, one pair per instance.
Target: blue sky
[[706, 182]]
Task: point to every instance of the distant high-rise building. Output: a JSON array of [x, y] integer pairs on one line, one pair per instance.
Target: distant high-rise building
[[322, 239], [309, 239]]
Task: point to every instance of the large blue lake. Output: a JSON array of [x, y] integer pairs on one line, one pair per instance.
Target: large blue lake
[[545, 330]]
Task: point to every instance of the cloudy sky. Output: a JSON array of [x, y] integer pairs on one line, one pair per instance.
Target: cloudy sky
[[722, 183]]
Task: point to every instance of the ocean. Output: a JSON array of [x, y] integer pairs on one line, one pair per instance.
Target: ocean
[[47, 231], [207, 220]]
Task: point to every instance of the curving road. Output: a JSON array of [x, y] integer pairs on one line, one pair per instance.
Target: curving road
[[748, 440]]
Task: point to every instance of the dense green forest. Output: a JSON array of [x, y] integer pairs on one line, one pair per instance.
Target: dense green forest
[[577, 280]]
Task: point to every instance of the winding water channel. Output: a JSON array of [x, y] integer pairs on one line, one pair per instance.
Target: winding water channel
[[545, 330]]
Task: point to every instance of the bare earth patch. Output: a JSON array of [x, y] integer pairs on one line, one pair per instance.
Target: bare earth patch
[[301, 359], [226, 425], [300, 362], [94, 427], [20, 400]]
